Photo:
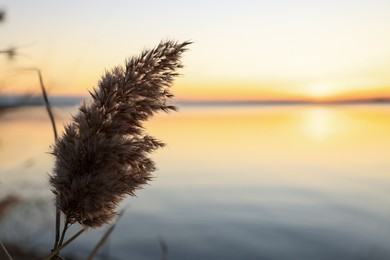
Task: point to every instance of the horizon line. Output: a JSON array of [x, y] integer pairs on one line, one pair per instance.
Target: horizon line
[[73, 100], [289, 101]]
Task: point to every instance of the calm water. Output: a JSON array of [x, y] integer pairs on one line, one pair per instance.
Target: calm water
[[271, 182]]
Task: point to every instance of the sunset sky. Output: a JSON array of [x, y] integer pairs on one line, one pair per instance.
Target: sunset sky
[[243, 50]]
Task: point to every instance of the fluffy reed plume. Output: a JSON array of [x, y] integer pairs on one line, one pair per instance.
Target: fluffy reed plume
[[103, 153]]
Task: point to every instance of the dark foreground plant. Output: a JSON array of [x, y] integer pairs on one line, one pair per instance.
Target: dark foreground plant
[[102, 155]]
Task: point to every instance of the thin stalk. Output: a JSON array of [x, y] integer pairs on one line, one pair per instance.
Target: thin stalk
[[48, 107], [52, 120], [58, 225], [53, 124], [6, 251], [66, 243], [66, 226], [46, 99]]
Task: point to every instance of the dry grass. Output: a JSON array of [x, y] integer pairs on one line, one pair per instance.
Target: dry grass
[[103, 154]]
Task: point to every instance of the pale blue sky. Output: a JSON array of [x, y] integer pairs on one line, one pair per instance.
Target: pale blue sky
[[299, 47]]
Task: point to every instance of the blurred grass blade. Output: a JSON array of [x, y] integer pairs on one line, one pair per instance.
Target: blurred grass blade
[[6, 251], [164, 248], [105, 237], [67, 242]]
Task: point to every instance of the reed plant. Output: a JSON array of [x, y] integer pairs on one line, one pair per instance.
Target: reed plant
[[103, 154]]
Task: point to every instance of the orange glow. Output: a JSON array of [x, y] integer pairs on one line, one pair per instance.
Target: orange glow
[[203, 90], [311, 92], [235, 90], [368, 93], [27, 82]]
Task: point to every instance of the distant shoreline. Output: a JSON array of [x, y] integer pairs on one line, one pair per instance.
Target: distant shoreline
[[282, 103], [66, 101]]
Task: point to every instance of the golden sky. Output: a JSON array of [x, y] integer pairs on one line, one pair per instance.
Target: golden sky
[[243, 50]]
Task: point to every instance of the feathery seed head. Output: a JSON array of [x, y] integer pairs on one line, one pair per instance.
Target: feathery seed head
[[102, 155]]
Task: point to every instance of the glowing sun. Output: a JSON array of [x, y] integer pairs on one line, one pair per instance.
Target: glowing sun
[[322, 90]]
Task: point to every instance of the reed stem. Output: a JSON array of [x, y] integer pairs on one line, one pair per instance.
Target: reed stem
[[49, 111], [66, 226], [52, 120], [66, 243]]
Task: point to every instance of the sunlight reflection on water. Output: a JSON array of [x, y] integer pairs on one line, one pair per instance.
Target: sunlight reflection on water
[[288, 182]]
